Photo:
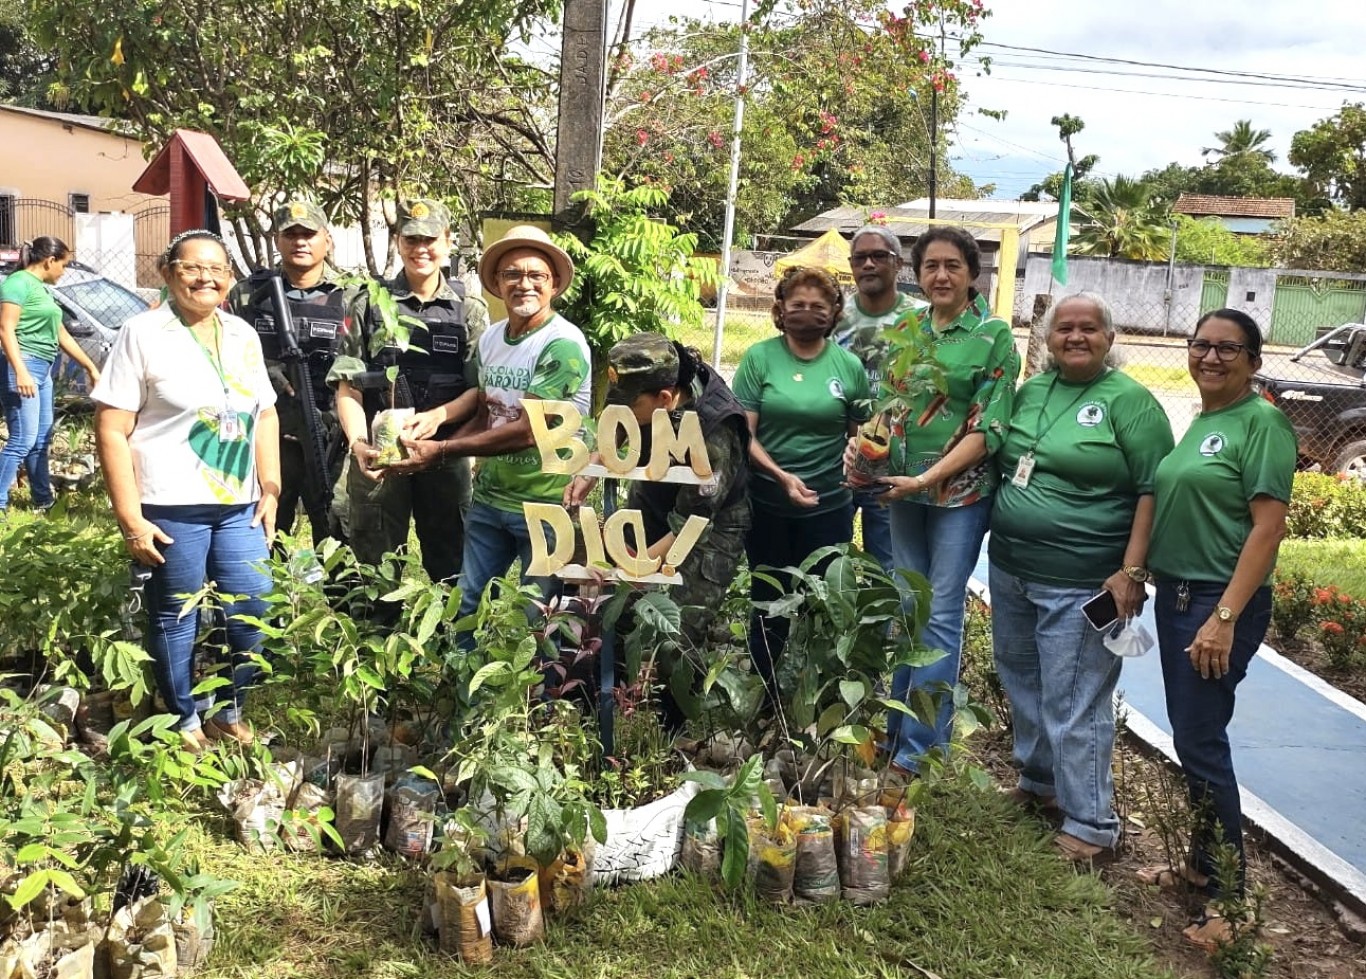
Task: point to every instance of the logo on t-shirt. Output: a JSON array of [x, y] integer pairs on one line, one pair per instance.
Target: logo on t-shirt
[[1213, 444], [836, 389], [1091, 415]]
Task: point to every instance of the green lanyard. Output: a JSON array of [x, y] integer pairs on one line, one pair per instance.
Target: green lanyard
[[1046, 424], [215, 361]]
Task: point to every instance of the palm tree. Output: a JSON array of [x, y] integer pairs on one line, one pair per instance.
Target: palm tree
[[1242, 141], [1121, 220]]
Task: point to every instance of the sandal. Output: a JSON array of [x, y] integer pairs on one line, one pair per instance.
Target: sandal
[[1171, 878], [1208, 933], [1078, 851]]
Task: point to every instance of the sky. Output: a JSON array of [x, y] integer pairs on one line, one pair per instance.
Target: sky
[[1157, 120]]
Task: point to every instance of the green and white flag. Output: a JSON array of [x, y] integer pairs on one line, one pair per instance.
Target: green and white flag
[[1064, 228]]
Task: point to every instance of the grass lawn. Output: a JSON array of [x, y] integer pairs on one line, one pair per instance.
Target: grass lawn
[[983, 897], [743, 328], [1327, 562], [1159, 378]]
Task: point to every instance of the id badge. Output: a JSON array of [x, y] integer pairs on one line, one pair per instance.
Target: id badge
[[229, 426], [1023, 470]]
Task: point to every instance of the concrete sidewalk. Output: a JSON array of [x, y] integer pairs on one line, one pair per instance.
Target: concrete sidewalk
[[1299, 748]]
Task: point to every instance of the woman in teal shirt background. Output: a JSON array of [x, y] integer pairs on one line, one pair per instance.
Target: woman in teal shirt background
[[31, 333]]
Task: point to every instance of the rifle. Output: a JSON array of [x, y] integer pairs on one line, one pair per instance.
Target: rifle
[[317, 489]]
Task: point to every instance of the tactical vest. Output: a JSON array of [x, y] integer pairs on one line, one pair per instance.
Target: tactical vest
[[716, 406], [317, 327], [433, 366]]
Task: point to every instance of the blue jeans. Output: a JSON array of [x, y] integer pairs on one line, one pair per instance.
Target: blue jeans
[[943, 544], [876, 522], [1199, 711], [29, 421], [493, 539], [779, 540], [1061, 680], [211, 542]]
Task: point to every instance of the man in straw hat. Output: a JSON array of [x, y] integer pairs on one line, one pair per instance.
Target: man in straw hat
[[534, 353], [435, 365]]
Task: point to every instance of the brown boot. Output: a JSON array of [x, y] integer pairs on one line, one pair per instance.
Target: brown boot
[[230, 731]]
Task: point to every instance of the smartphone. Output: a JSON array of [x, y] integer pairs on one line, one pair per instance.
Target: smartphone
[[1101, 611]]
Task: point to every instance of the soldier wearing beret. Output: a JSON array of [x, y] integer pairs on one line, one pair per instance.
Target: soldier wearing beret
[[646, 372], [435, 366], [318, 304]]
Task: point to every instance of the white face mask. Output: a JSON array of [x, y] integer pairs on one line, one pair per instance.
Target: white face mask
[[1128, 638]]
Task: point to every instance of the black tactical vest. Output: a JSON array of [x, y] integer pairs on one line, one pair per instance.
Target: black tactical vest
[[433, 366], [716, 407], [317, 327]]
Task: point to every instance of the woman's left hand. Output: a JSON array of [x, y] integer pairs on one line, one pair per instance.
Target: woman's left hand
[[901, 487], [265, 514], [421, 454], [1129, 594], [1209, 651]]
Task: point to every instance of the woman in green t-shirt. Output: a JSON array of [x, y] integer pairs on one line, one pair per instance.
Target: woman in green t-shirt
[[31, 333], [1220, 504], [941, 448], [803, 396]]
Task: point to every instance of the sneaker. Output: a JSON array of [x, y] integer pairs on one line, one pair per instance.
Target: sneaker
[[1080, 853]]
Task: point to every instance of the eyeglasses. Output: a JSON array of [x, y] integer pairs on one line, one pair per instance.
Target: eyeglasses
[[514, 276], [193, 270], [879, 258], [1226, 351]]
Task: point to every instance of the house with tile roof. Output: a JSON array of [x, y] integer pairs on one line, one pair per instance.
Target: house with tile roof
[[1241, 215]]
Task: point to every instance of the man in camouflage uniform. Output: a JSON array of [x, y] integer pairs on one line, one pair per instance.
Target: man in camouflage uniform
[[645, 372], [435, 366], [319, 305]]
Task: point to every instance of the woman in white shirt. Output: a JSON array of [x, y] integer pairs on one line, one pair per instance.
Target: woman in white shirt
[[188, 438]]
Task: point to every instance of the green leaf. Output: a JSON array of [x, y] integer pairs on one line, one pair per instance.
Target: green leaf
[[735, 853], [705, 806], [852, 692], [29, 888], [65, 882]]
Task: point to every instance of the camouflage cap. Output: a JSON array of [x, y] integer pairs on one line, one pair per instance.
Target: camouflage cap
[[424, 218], [301, 214], [640, 363]]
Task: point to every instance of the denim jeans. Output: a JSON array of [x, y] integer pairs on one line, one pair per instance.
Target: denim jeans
[[29, 421], [1061, 680], [876, 524], [493, 539], [943, 544], [778, 540], [211, 542], [1199, 711]]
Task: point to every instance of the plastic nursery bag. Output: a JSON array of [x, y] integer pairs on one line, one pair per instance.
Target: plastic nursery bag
[[517, 916], [772, 860], [1128, 638], [817, 876], [465, 924], [861, 846], [360, 802], [384, 435]]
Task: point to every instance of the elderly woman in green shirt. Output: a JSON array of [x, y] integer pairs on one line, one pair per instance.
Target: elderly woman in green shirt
[[941, 448]]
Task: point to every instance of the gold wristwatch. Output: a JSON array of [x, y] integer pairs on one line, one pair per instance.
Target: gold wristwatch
[[1224, 614], [1137, 573]]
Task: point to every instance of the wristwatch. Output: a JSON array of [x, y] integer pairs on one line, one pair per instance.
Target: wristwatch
[[1138, 574], [1224, 614]]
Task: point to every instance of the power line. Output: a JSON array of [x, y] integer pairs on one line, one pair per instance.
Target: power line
[[1169, 95], [1169, 77]]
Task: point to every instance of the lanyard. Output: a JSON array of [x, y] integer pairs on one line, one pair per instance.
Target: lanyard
[[215, 361], [1045, 425]]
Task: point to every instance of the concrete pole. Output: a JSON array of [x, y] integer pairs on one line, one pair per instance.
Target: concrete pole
[[1171, 280], [583, 79], [741, 80]]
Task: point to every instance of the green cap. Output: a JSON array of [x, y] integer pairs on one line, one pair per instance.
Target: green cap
[[424, 218], [299, 213], [641, 363]]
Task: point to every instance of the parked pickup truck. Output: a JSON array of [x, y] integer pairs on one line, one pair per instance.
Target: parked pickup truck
[[1329, 410]]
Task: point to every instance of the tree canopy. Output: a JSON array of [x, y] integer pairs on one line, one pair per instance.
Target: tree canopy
[[1332, 154], [837, 111], [353, 102]]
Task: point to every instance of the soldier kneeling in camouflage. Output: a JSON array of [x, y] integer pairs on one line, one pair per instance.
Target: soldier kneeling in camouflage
[[648, 371]]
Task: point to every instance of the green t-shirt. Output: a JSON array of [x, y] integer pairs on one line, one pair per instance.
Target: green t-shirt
[[1096, 448], [977, 354], [804, 408], [552, 363], [1203, 488], [40, 318], [860, 333]]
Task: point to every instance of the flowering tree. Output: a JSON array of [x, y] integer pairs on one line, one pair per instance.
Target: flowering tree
[[837, 113]]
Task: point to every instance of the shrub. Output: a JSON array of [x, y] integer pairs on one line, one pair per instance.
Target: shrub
[[1327, 506], [1342, 626], [1292, 603]]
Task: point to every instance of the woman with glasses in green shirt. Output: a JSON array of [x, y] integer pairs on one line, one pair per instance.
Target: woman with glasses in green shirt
[[941, 449]]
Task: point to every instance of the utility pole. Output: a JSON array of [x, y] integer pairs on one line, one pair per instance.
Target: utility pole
[[578, 142], [728, 231], [934, 120]]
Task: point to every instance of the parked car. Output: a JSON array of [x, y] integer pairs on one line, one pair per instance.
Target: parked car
[[1329, 411], [93, 310]]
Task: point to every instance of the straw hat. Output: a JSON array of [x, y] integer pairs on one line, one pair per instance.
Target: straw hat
[[525, 236]]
